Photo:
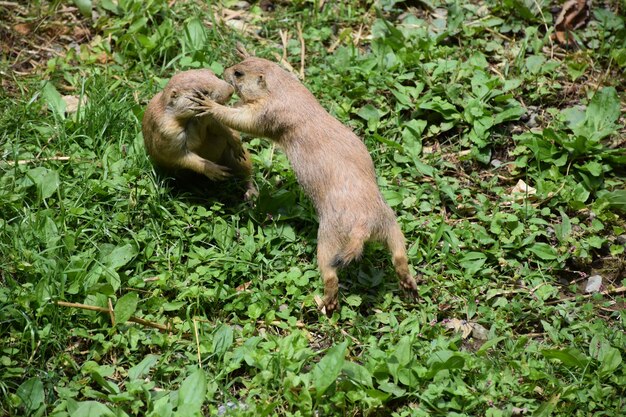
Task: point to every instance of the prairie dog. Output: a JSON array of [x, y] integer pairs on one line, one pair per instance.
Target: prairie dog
[[331, 163], [177, 140]]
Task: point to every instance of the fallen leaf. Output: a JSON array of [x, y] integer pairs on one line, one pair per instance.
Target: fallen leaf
[[318, 300], [522, 188], [244, 286], [594, 283], [479, 332], [574, 15], [22, 28], [72, 103], [463, 326]]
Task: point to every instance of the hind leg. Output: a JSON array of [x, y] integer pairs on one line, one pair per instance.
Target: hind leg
[[203, 166], [332, 253], [325, 256], [395, 242], [241, 167], [328, 261]]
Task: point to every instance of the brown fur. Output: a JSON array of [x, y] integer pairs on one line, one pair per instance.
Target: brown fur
[[331, 163], [177, 140]]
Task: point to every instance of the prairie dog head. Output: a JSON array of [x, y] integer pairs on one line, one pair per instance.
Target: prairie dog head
[[183, 84], [256, 78]]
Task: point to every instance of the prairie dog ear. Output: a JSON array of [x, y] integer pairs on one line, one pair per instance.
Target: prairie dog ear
[[261, 81], [241, 51], [173, 93]]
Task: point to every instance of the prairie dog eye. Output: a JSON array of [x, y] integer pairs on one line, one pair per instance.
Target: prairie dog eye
[[238, 74]]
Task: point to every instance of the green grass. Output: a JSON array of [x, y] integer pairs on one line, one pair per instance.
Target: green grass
[[455, 110]]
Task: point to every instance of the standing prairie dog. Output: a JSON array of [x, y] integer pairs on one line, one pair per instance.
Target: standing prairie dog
[[331, 163], [177, 140]]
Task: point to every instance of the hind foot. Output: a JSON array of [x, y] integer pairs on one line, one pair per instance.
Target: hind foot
[[409, 285], [330, 304]]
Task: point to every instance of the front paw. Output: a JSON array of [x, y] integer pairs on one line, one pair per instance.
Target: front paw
[[216, 172], [203, 103], [238, 151]]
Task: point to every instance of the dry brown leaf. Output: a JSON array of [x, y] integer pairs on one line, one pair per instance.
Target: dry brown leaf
[[462, 326], [244, 286], [22, 28], [72, 103], [574, 15], [522, 189]]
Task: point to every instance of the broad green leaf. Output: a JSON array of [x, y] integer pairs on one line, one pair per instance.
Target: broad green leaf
[[573, 116], [488, 345], [31, 393], [109, 386], [391, 388], [126, 307], [534, 63], [614, 199], [593, 167], [403, 351], [444, 359], [546, 409], [400, 357], [92, 409], [570, 357], [162, 407], [408, 377], [411, 138], [143, 367], [524, 8], [610, 359], [54, 100], [413, 129], [192, 391], [120, 256], [369, 113], [357, 373], [195, 34], [442, 107], [47, 181], [543, 251], [326, 371], [513, 113], [472, 262], [222, 339], [84, 6], [603, 110], [563, 229], [223, 233], [423, 168], [137, 25]]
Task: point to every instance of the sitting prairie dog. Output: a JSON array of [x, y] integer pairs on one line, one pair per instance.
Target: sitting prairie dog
[[331, 163], [177, 140]]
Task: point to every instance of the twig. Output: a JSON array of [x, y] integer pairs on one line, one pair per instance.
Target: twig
[[284, 38], [111, 312], [533, 335], [106, 310], [302, 49], [358, 37], [607, 292], [545, 24], [30, 161], [195, 333]]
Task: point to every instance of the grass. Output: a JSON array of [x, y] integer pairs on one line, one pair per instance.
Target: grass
[[457, 102]]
